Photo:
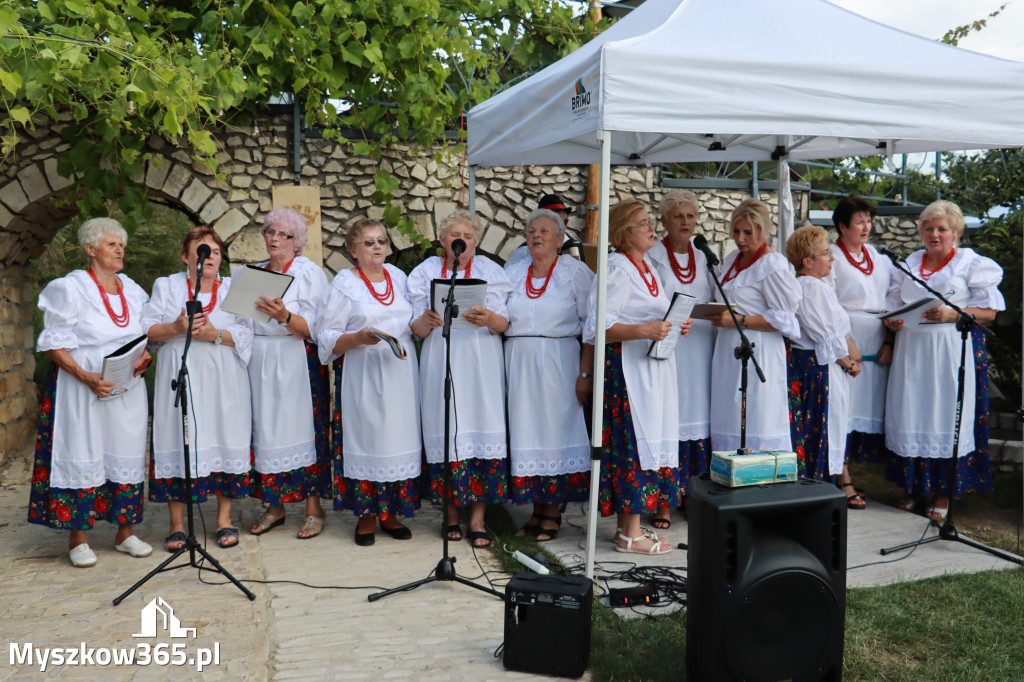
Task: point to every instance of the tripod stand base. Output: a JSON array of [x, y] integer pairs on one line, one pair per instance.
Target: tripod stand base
[[445, 571], [193, 547], [948, 532]]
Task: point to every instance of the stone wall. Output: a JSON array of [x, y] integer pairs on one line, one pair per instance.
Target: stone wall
[[18, 402]]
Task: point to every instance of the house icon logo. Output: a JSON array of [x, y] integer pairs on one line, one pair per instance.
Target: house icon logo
[[158, 615]]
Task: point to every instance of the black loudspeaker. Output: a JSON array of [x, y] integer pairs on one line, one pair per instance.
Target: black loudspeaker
[[766, 582], [547, 624]]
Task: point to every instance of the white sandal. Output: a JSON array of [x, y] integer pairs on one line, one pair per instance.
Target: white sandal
[[655, 548], [648, 532]]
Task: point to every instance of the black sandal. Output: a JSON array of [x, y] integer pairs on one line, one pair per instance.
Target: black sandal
[[548, 534], [450, 530], [858, 500], [475, 535], [530, 529]]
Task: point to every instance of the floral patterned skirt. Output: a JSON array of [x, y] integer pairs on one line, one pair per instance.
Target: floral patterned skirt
[[927, 476], [808, 411], [298, 484], [625, 487], [865, 447], [551, 489], [473, 480], [694, 460], [69, 508], [231, 486]]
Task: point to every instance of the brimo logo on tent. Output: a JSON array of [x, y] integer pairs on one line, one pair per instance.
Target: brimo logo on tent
[[157, 619], [581, 99]]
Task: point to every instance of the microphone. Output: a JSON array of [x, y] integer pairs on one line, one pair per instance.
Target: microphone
[[202, 253], [458, 248], [886, 251], [701, 243]]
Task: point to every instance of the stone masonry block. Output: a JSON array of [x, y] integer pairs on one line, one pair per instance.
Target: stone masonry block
[[177, 178], [231, 223], [195, 195], [13, 196], [56, 180], [156, 172], [214, 209]]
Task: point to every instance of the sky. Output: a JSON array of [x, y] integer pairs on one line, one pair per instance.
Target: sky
[[1002, 37]]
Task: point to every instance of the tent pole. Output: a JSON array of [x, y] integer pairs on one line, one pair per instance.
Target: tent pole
[[471, 207], [604, 139]]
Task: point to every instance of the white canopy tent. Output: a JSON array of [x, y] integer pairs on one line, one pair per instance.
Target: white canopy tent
[[744, 80]]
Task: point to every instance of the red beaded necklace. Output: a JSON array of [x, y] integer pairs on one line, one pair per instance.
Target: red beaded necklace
[[388, 297], [865, 265], [532, 291], [122, 319], [468, 272], [925, 274], [734, 271], [207, 309], [652, 286], [684, 275]]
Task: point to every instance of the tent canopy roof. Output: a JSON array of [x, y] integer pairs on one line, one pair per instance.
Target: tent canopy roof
[[736, 80]]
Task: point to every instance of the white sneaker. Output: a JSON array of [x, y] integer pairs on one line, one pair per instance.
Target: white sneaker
[[135, 547], [81, 556]]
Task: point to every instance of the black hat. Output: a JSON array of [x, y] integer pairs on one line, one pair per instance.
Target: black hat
[[553, 202]]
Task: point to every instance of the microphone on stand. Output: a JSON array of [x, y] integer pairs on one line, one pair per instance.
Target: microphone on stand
[[701, 243], [202, 253], [458, 248], [886, 251]]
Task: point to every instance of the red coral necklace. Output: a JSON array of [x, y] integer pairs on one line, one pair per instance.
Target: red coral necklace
[[684, 275], [388, 297], [734, 271], [652, 285], [865, 265], [122, 319]]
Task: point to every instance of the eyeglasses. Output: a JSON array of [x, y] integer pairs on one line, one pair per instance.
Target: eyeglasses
[[368, 243], [646, 223], [270, 234]]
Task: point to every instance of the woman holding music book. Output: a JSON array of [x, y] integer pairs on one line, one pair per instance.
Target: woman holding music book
[[820, 361], [90, 460], [377, 444], [220, 418], [862, 278], [291, 443], [685, 269], [477, 437], [920, 407], [549, 378], [640, 440], [765, 296]]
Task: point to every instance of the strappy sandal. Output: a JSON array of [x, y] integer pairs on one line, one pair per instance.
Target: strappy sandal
[[661, 524], [530, 528], [227, 537], [657, 546], [548, 534], [857, 500], [938, 514], [174, 541], [450, 530], [267, 523], [475, 535], [312, 523]]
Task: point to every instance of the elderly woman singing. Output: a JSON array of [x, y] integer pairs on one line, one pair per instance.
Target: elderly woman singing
[[477, 441], [377, 442], [220, 418], [290, 388], [90, 458], [920, 405], [640, 443], [685, 269], [548, 376]]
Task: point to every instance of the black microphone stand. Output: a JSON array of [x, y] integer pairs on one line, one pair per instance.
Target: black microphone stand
[[192, 546], [744, 353], [445, 569], [947, 531]]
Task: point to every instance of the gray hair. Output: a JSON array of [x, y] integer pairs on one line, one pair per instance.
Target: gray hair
[[290, 219], [675, 198], [550, 215], [464, 217], [91, 231]]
